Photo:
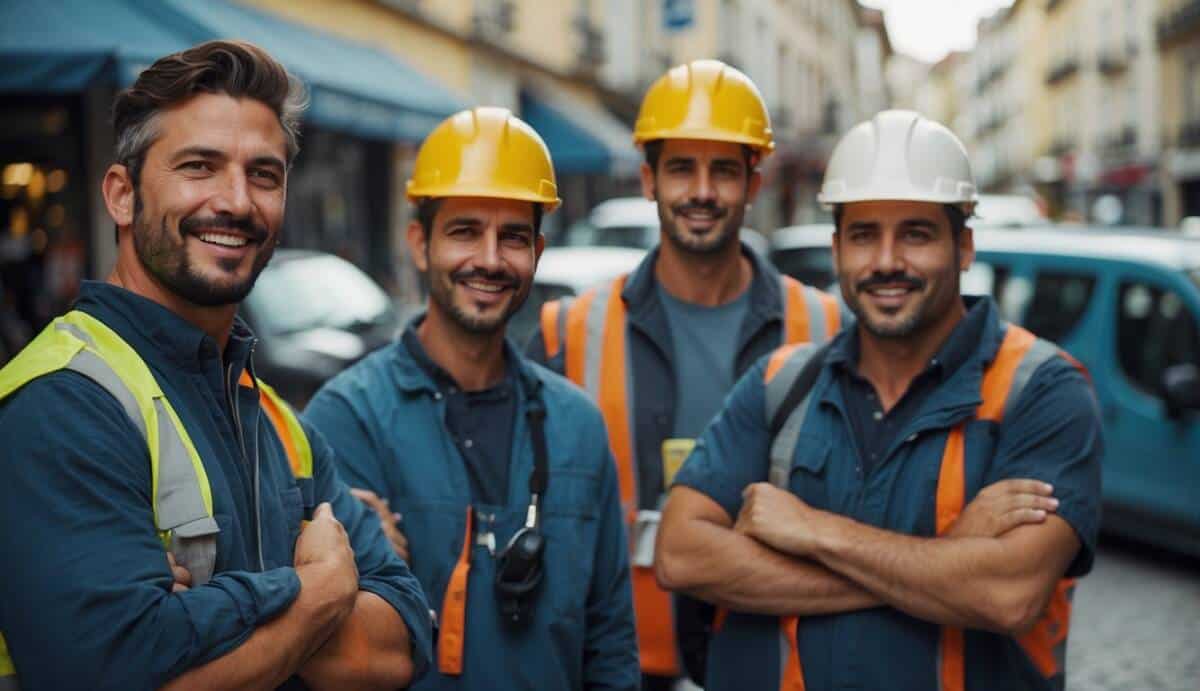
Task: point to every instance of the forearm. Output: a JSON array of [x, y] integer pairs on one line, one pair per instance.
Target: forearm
[[371, 650], [714, 563], [277, 649], [968, 582]]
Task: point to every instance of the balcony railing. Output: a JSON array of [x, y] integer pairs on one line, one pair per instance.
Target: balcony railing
[[1189, 135], [1062, 68], [1179, 21], [1062, 144], [1120, 141], [1113, 61]]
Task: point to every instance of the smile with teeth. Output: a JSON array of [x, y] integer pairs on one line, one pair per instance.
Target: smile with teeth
[[485, 287], [890, 292], [223, 239]]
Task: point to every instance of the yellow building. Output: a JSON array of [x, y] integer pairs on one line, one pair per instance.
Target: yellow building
[[1178, 33]]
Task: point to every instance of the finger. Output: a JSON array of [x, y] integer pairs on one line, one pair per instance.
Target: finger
[[1024, 517], [323, 511], [1025, 486], [179, 588], [1033, 501], [171, 559], [181, 575]]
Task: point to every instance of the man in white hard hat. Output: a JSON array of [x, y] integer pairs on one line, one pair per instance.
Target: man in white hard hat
[[907, 507]]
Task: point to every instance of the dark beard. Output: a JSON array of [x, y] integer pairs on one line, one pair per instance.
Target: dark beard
[[726, 231], [164, 254], [442, 293]]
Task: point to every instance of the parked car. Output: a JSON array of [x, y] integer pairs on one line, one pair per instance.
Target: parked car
[[631, 222], [315, 314], [1127, 304], [1007, 211], [565, 272]]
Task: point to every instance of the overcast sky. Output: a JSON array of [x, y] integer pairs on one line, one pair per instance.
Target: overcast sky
[[928, 29]]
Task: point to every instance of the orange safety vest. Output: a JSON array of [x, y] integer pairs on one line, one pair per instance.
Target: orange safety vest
[[1019, 356], [594, 335]]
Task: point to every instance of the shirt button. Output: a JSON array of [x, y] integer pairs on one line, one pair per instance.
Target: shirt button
[[452, 390], [878, 415], [468, 443], [437, 395]]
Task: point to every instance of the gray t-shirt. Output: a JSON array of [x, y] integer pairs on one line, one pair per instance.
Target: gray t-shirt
[[705, 341]]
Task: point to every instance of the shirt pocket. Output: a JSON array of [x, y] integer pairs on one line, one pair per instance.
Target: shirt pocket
[[808, 479], [292, 501], [571, 525]]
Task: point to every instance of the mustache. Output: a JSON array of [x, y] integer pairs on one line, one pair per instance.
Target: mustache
[[893, 279], [192, 225], [711, 207], [503, 277]]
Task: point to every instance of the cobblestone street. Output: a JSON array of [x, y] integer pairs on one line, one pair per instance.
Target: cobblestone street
[[1136, 623]]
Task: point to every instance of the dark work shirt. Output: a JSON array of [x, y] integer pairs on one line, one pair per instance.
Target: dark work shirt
[[481, 423], [875, 430]]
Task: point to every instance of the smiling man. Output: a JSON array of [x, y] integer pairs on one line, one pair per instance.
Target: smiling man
[[504, 486], [680, 329], [152, 491], [907, 507]]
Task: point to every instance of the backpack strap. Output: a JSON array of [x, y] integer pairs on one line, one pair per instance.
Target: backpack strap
[[790, 375]]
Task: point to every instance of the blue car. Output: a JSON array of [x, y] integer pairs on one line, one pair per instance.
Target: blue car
[[1127, 304]]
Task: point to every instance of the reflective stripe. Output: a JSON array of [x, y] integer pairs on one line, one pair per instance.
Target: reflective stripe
[[577, 338], [287, 426], [1039, 353], [818, 330], [597, 326], [783, 446], [783, 367], [454, 609], [89, 364], [1019, 356], [791, 674], [549, 324], [795, 312]]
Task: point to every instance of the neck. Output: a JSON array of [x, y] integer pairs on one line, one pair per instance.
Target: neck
[[128, 273], [703, 279], [475, 361], [891, 364]]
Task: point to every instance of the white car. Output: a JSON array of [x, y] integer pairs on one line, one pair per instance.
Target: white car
[[631, 222], [565, 272]]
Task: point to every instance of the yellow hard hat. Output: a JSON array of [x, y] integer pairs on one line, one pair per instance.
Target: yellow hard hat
[[484, 152], [705, 99]]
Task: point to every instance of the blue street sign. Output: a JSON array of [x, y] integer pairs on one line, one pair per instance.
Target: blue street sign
[[678, 14]]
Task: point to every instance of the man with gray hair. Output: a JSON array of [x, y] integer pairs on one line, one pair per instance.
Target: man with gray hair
[[167, 520]]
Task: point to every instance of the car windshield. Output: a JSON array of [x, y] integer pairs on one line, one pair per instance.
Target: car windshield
[[319, 291]]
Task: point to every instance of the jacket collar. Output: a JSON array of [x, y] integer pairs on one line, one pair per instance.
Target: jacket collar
[[412, 377], [156, 332], [646, 311]]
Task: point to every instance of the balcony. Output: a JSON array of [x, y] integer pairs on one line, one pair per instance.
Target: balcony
[[1062, 144], [1113, 61], [592, 54], [1120, 142], [1062, 67], [1178, 22], [1189, 135]]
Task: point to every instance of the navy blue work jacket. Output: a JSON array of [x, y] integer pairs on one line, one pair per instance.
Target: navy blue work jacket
[[387, 419], [85, 592], [1052, 434]]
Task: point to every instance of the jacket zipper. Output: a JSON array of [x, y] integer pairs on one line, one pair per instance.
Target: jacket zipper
[[231, 398]]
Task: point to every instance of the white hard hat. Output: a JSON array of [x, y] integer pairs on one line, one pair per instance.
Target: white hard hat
[[899, 154]]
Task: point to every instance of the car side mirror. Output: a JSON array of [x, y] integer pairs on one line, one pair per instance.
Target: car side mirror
[[1181, 388]]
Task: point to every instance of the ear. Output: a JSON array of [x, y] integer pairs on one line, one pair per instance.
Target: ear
[[966, 249], [118, 192], [417, 245], [647, 181], [539, 244], [753, 185]]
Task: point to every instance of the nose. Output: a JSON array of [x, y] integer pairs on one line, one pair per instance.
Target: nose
[[487, 257], [233, 196], [703, 190], [888, 258]]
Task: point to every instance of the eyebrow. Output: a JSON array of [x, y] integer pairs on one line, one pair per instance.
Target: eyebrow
[[518, 227], [216, 154]]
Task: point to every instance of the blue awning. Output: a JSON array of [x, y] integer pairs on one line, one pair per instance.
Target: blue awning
[[64, 45], [582, 138]]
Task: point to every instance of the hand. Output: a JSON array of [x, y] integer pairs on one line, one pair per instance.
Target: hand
[[183, 577], [325, 558], [1002, 506], [388, 520], [777, 518]]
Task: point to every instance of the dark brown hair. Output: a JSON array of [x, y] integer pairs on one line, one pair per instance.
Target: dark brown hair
[[236, 68]]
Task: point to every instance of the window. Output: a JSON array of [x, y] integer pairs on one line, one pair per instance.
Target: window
[[1155, 330], [1059, 301], [809, 265], [985, 278]]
